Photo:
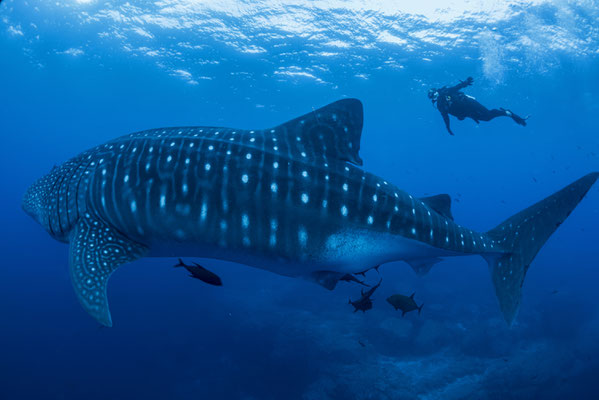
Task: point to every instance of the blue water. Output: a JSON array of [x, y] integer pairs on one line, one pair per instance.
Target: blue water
[[75, 74]]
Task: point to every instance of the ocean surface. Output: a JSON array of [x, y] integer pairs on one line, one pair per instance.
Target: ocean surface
[[77, 73]]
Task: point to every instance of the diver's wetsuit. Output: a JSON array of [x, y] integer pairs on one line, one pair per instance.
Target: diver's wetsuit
[[450, 100]]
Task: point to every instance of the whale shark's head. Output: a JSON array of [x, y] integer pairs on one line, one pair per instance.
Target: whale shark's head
[[35, 200]]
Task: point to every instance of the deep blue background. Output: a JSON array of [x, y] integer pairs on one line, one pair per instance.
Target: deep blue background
[[262, 336]]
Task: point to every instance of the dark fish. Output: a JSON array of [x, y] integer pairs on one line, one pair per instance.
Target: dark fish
[[404, 303], [351, 278], [201, 273], [554, 291], [361, 343], [370, 291], [364, 303], [363, 273]]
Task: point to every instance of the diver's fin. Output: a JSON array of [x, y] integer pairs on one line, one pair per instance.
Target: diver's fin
[[523, 235], [326, 279], [441, 203], [96, 250], [332, 131], [422, 265]]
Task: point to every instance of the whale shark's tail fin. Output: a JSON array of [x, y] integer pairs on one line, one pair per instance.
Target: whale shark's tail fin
[[523, 235]]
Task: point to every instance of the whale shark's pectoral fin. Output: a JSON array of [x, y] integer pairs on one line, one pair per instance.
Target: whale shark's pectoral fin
[[96, 251]]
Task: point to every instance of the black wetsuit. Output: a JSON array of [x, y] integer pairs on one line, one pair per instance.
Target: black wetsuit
[[451, 100]]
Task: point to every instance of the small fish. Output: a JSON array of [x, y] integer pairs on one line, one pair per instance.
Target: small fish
[[201, 273], [361, 343], [363, 273], [351, 278], [404, 303], [364, 303], [554, 291]]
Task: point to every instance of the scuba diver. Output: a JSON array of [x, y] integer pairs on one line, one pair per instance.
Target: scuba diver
[[450, 100]]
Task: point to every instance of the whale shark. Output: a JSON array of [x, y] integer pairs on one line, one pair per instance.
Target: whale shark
[[291, 199]]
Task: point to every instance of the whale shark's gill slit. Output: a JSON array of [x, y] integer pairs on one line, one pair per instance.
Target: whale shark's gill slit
[[67, 191], [77, 189], [58, 196], [118, 174], [75, 186]]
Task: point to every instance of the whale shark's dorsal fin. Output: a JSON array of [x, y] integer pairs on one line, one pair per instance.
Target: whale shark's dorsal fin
[[329, 133], [96, 250], [332, 131], [441, 203]]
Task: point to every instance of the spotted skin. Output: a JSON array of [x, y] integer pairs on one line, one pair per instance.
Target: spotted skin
[[290, 199], [96, 251]]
